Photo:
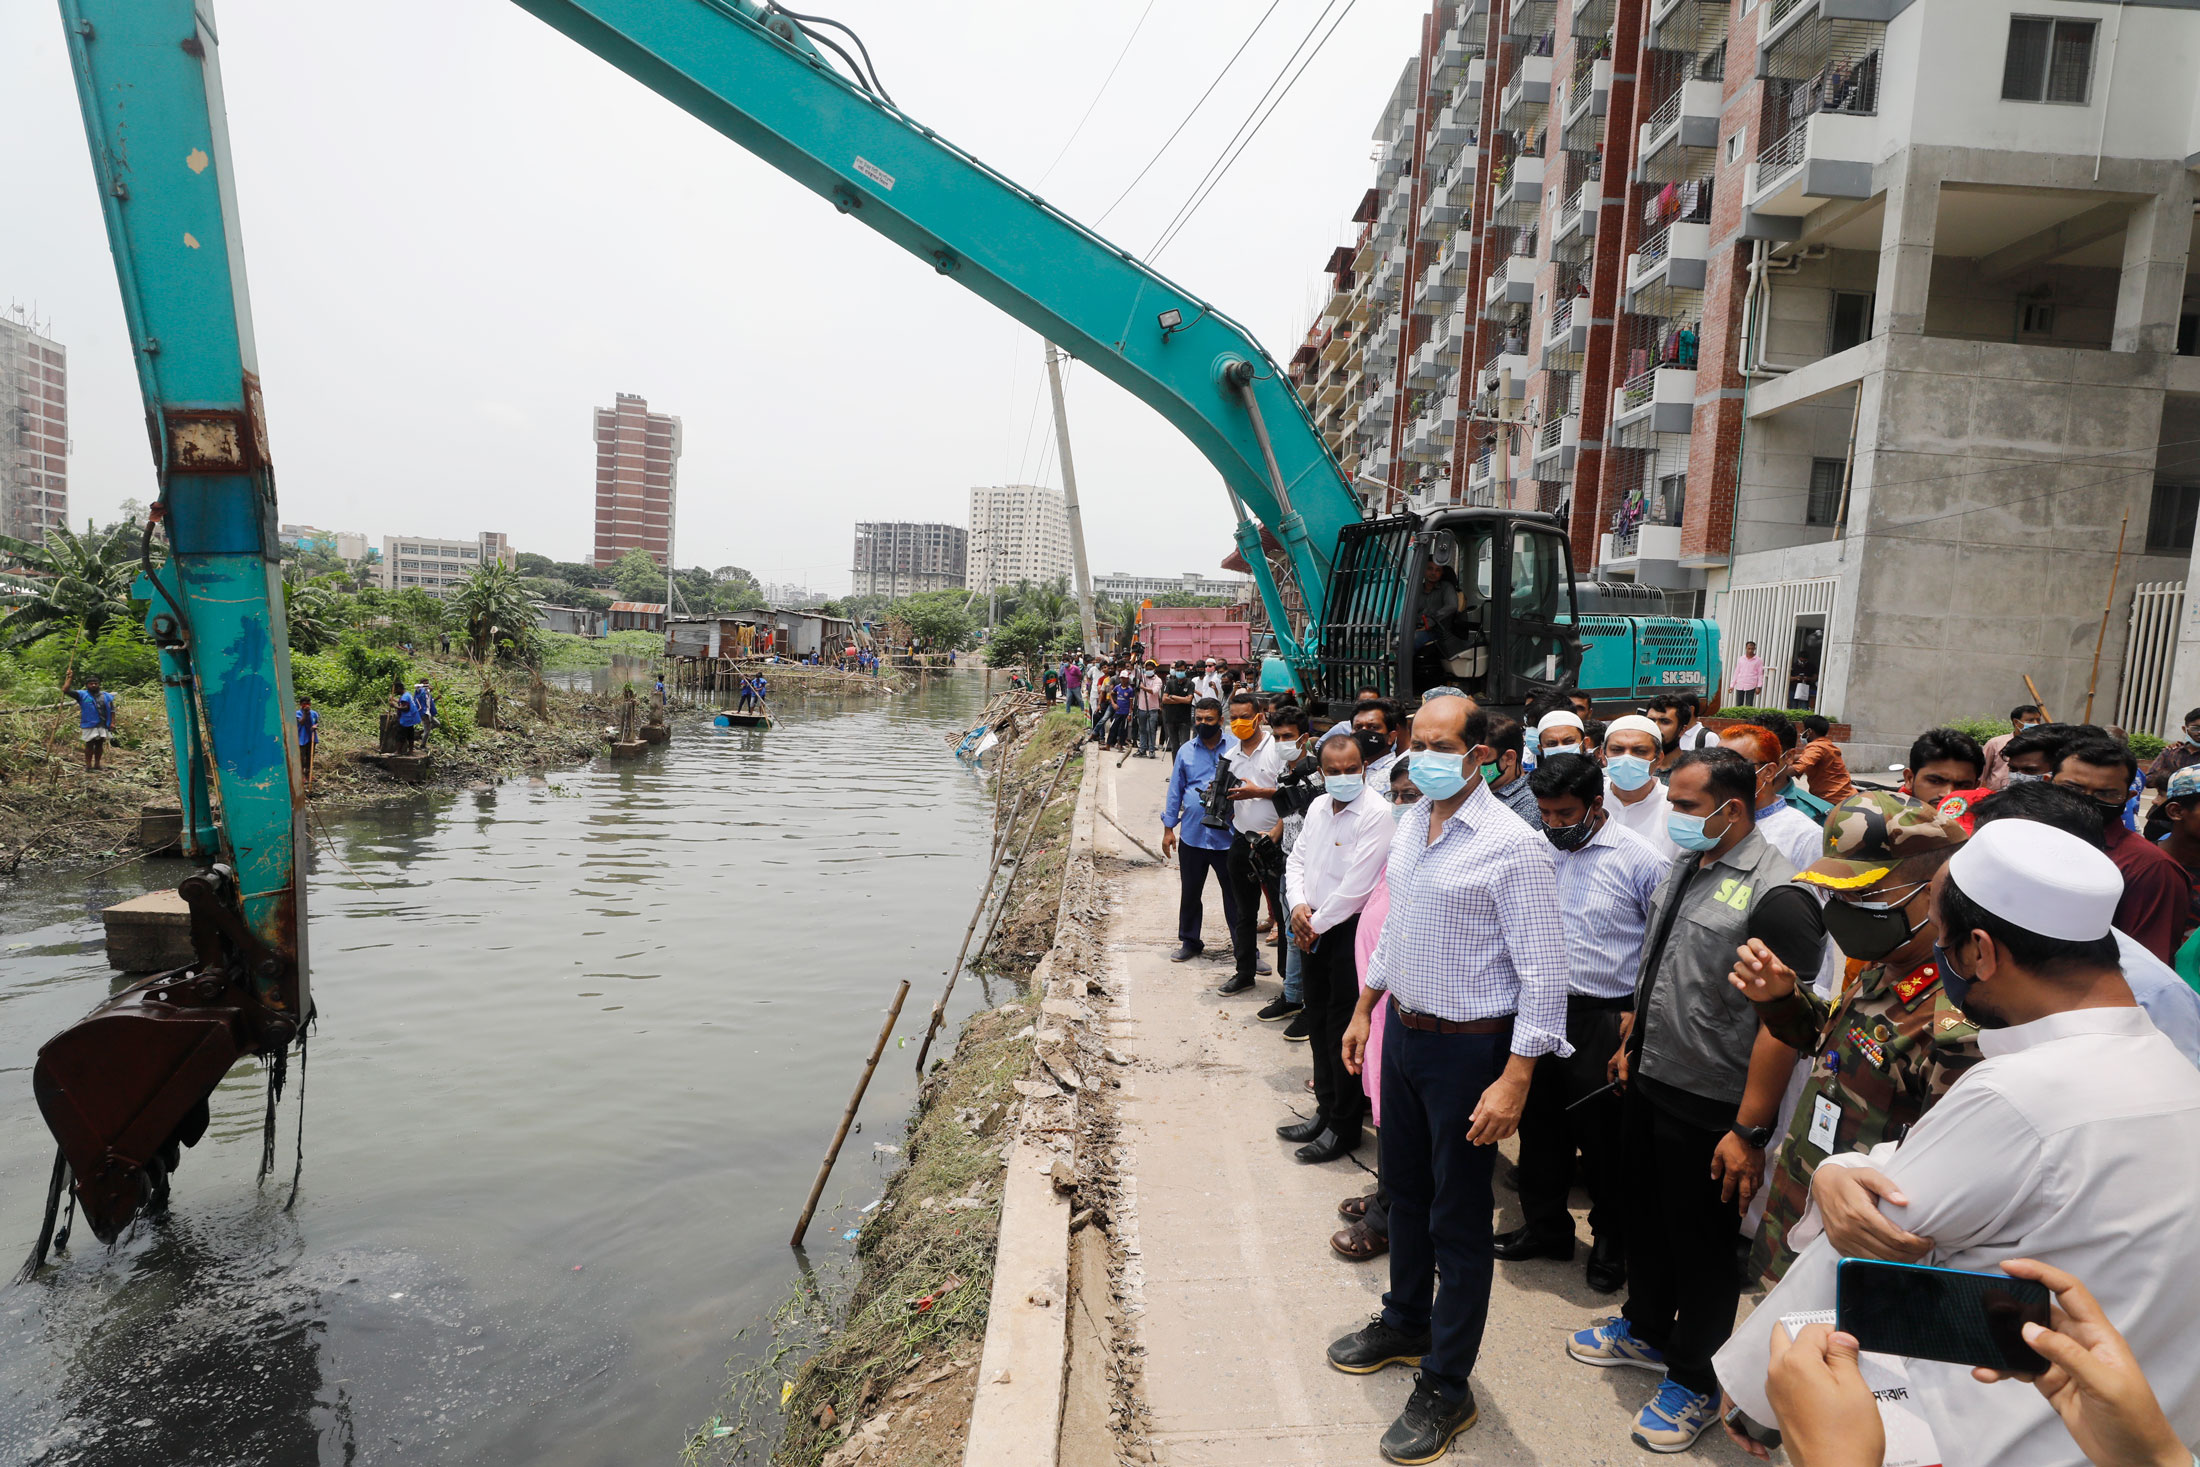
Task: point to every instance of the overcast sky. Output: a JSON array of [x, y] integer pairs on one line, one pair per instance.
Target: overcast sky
[[463, 232]]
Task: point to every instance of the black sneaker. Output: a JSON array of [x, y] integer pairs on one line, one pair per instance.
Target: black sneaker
[[1301, 1029], [1280, 1007], [1238, 983], [1423, 1431], [1368, 1350]]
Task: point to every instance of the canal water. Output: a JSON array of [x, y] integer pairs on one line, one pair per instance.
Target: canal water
[[582, 1042]]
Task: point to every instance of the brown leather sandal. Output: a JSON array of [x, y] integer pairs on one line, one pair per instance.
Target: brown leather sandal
[[1352, 1209], [1359, 1243]]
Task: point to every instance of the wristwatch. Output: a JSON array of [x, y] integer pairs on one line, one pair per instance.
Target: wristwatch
[[1757, 1136]]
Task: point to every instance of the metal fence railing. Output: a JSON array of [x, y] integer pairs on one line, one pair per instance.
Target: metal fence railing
[[2142, 701]]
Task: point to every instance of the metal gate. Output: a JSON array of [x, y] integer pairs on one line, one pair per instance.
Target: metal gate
[[1364, 617], [2142, 702], [1766, 615]]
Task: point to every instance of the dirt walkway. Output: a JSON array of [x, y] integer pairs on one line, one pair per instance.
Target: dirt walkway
[[1232, 1288]]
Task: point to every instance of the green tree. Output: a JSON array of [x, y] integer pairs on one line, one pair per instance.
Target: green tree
[[936, 616], [638, 578], [1023, 641], [580, 575], [313, 610], [493, 607], [72, 580], [531, 564]]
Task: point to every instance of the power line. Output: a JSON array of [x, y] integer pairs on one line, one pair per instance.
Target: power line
[[1191, 207], [1203, 96], [1096, 96]]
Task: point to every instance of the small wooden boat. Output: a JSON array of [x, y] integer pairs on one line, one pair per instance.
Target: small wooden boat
[[743, 720]]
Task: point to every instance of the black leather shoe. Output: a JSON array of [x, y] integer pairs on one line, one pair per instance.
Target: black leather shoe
[[1423, 1431], [1301, 1130], [1524, 1243], [1237, 984], [1607, 1266], [1185, 953], [1365, 1351], [1328, 1146]]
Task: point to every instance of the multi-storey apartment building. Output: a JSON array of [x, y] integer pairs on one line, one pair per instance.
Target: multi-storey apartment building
[[435, 566], [637, 480], [1866, 326], [901, 558], [1191, 583], [34, 431], [1018, 532]]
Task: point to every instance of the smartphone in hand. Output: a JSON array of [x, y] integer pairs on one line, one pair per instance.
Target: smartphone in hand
[[1945, 1314]]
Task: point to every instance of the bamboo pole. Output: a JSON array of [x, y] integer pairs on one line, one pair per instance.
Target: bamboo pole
[[2037, 701], [939, 1009], [2107, 606], [848, 1116], [1134, 840]]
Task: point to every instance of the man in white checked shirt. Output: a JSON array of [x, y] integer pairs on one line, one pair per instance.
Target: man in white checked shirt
[[1473, 963]]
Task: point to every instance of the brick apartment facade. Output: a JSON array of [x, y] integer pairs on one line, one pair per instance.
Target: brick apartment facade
[[34, 432], [1861, 326], [637, 480]]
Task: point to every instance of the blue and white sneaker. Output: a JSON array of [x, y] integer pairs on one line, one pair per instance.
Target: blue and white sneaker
[[1613, 1342], [1673, 1421]]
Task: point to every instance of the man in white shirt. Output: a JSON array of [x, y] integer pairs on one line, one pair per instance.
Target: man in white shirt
[[1257, 765], [1332, 871], [1380, 720], [1678, 728], [1560, 732], [2074, 1141], [1632, 793], [1209, 682]]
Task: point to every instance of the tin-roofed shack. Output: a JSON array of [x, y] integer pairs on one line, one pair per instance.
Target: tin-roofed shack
[[637, 616]]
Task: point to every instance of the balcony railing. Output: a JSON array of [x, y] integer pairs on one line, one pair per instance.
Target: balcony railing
[[1636, 390], [1652, 250], [1551, 435], [1666, 115]]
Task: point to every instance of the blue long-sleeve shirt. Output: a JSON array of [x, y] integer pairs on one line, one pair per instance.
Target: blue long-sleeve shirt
[[1189, 777]]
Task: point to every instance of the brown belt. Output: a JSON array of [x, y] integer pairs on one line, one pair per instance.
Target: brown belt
[[1434, 1025]]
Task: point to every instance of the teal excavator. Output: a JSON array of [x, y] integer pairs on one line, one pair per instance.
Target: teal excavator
[[1481, 598]]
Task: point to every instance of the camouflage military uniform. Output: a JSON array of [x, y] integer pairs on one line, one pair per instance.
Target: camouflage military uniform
[[1884, 1053]]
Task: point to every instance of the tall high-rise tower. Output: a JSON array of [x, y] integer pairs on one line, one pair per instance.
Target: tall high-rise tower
[[34, 431], [637, 468]]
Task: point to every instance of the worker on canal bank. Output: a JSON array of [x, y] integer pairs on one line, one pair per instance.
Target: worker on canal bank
[[95, 719], [1472, 965], [309, 735], [415, 716], [1201, 847]]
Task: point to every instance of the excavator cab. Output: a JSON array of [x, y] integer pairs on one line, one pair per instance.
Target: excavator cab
[[1476, 599]]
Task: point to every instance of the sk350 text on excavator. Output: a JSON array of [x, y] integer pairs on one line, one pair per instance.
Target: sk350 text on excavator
[[1481, 598]]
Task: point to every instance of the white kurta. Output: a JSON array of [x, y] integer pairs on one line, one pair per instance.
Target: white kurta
[[2075, 1141]]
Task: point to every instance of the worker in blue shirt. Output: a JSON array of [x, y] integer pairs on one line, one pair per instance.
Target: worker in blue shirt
[[95, 719], [309, 735], [416, 715], [1184, 828]]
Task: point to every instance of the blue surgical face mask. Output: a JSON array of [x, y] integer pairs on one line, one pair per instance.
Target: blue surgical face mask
[[1627, 771], [1687, 831], [1345, 788], [1437, 775]]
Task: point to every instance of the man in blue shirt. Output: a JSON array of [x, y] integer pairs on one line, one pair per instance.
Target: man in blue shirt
[[95, 719], [1184, 828], [416, 715]]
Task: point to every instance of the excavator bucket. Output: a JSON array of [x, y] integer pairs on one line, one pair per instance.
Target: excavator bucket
[[126, 1088]]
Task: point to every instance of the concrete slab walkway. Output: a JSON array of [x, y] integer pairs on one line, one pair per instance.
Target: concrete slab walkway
[[1232, 1287]]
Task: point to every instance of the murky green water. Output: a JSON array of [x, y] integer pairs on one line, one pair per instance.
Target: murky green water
[[582, 1042]]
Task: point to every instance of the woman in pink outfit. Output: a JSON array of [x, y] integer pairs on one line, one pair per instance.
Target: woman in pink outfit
[[1367, 1232]]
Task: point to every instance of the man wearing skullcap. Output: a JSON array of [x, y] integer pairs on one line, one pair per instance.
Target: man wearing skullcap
[[1634, 795], [2075, 1140]]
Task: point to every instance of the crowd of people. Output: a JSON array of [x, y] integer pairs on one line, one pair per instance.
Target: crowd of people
[[1769, 1017]]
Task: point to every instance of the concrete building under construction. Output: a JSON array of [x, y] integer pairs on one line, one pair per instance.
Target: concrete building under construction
[[1865, 327]]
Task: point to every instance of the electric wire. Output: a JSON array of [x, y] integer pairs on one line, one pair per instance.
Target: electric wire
[[1203, 96], [1096, 96], [1254, 120]]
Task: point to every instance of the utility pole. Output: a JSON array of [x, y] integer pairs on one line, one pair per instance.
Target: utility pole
[[1069, 504]]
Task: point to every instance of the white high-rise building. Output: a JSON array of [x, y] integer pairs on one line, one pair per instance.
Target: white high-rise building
[[436, 566], [1018, 532]]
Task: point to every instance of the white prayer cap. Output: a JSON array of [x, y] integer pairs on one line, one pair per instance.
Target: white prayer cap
[[2039, 878], [1636, 722], [1561, 718]]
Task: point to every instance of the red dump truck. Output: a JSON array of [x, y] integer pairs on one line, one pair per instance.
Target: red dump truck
[[1195, 633]]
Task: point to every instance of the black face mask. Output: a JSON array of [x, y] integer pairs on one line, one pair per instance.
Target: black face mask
[[2112, 813], [1372, 744], [1958, 988], [1571, 837], [1207, 732], [1867, 934]]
